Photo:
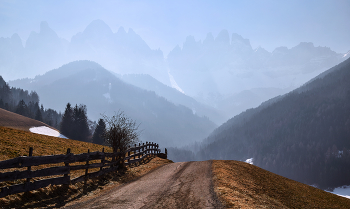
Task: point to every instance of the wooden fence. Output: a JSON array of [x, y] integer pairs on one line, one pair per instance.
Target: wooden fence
[[108, 162]]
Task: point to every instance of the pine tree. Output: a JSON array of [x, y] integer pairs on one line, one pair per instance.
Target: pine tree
[[38, 115], [80, 121], [22, 108], [67, 122], [97, 138]]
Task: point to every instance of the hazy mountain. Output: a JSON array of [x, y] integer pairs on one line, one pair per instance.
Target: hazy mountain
[[217, 71], [42, 51], [88, 83], [149, 83], [215, 68], [122, 52], [303, 135]]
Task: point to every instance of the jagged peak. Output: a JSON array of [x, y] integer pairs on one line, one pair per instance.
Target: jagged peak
[[98, 27], [131, 31], [209, 38], [223, 37], [121, 30], [236, 37], [46, 30]]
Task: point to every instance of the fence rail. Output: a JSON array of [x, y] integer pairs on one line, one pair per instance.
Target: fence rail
[[133, 155]]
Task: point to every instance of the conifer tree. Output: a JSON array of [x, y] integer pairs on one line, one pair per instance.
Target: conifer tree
[[38, 115], [21, 108], [97, 137], [67, 122]]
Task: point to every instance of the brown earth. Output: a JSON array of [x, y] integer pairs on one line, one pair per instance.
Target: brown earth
[[241, 185], [16, 121], [176, 185]]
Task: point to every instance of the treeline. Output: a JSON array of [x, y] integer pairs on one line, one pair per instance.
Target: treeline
[[303, 136], [75, 123], [27, 104]]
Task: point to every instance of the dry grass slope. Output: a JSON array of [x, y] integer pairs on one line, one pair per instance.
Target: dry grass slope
[[241, 185], [16, 121], [15, 143]]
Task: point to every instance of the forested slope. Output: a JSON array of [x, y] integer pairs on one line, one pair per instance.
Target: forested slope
[[304, 135]]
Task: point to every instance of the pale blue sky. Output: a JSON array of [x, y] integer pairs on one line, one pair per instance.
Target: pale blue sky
[[163, 24]]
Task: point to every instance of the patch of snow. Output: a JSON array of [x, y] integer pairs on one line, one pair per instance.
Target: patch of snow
[[46, 131], [343, 191], [174, 84], [108, 97], [250, 161], [347, 54]]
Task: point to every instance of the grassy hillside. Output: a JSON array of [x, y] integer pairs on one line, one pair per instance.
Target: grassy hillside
[[16, 121], [14, 143], [241, 185]]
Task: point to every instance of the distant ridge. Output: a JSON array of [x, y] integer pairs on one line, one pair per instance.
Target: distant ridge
[[302, 135]]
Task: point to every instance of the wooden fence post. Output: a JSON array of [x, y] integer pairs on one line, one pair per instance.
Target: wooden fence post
[[67, 165], [102, 159], [29, 168], [134, 151], [86, 172], [139, 150], [152, 149], [143, 151], [129, 155]]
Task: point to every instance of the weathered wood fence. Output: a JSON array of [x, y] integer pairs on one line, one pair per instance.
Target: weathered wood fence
[[108, 162]]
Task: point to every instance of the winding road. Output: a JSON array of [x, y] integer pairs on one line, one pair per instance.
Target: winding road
[[175, 185]]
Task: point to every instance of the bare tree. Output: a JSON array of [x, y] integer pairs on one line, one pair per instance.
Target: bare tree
[[121, 131]]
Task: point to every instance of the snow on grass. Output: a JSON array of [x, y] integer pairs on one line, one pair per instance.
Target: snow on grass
[[343, 191], [250, 161], [46, 131]]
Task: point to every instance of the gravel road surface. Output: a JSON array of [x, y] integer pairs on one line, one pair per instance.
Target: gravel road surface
[[176, 185]]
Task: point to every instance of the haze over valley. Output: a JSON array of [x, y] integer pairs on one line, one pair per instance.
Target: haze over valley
[[266, 83]]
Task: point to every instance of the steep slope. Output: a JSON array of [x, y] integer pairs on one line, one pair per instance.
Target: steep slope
[[16, 121], [149, 83], [241, 185], [303, 135], [103, 93]]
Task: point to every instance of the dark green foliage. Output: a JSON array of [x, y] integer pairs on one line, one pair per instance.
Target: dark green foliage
[[97, 137], [38, 115], [22, 108], [74, 123], [80, 123], [27, 104], [305, 135], [67, 121]]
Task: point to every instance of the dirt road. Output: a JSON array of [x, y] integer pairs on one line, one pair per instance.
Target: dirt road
[[176, 185]]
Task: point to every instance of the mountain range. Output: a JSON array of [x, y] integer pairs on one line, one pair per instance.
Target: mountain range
[[88, 83], [303, 135], [217, 71]]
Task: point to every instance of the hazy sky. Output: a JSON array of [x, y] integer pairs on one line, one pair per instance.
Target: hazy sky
[[163, 24]]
